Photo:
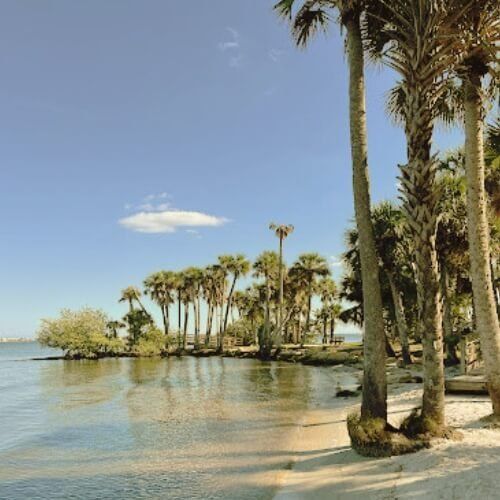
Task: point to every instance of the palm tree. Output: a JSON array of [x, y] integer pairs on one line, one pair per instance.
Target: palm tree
[[267, 266], [312, 17], [159, 287], [193, 277], [390, 226], [482, 29], [113, 328], [311, 266], [327, 290], [322, 317], [452, 244], [209, 294], [131, 294], [335, 311], [413, 38], [238, 266], [282, 231]]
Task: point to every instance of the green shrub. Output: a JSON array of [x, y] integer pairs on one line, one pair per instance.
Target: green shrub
[[80, 334], [151, 343], [241, 329]]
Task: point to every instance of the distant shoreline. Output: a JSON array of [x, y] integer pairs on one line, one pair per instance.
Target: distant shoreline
[[7, 340]]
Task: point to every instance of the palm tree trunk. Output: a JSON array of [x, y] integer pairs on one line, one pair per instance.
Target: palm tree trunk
[[165, 320], [210, 315], [325, 336], [196, 326], [479, 246], [186, 319], [309, 305], [199, 310], [421, 207], [167, 317], [374, 403], [279, 336], [399, 312], [179, 320], [332, 330], [229, 301], [447, 287]]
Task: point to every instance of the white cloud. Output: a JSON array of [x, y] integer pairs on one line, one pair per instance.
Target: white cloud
[[275, 54], [233, 47], [168, 221], [336, 262]]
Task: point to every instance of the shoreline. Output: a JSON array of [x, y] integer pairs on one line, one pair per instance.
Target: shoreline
[[325, 466]]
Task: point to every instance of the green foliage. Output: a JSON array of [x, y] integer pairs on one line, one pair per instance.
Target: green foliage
[[151, 343], [241, 329], [80, 334], [138, 323]]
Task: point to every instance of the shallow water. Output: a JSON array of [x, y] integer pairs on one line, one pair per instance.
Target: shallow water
[[149, 428]]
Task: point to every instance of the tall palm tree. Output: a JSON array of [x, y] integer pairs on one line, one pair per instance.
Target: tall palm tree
[[238, 266], [209, 294], [267, 266], [159, 286], [178, 285], [282, 231], [311, 266], [482, 29], [193, 278], [314, 16], [413, 37]]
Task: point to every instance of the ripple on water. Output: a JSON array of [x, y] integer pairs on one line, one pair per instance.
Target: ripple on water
[[152, 428]]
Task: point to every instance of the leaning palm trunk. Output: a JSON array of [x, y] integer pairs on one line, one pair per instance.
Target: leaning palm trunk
[[374, 402], [484, 302], [399, 312], [420, 204], [186, 320]]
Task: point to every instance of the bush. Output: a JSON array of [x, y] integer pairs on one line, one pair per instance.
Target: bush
[[80, 334], [241, 329], [151, 343]]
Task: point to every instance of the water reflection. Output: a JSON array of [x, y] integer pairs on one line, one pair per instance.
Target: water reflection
[[154, 428]]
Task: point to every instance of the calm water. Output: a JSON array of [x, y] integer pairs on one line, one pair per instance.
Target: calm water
[[149, 428]]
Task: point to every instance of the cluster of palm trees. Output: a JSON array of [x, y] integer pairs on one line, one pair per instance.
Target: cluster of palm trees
[[445, 55], [276, 308]]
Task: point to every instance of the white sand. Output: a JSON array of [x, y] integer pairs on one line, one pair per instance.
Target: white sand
[[327, 468]]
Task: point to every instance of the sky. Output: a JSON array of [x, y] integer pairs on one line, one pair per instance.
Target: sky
[[139, 135]]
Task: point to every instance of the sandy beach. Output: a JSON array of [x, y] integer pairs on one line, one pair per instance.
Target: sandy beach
[[326, 467]]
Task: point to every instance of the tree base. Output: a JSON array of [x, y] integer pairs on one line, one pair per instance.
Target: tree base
[[373, 437], [492, 421], [416, 426]]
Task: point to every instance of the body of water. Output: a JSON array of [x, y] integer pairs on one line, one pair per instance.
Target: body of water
[[150, 428]]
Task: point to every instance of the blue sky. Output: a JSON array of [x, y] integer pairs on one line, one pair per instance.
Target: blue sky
[[112, 110]]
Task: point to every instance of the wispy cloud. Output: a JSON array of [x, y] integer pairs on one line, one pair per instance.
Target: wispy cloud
[[275, 54], [233, 47], [155, 215], [336, 262], [169, 221]]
